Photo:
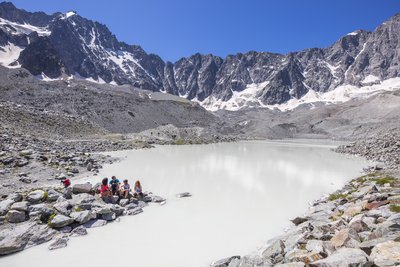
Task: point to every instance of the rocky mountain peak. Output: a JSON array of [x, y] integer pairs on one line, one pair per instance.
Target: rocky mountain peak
[[68, 44]]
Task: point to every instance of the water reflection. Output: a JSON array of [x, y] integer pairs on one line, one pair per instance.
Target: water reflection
[[243, 194]]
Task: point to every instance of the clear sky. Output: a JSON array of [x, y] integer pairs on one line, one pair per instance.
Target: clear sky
[[177, 28]]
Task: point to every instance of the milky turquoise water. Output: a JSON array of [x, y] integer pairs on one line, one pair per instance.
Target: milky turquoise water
[[243, 194]]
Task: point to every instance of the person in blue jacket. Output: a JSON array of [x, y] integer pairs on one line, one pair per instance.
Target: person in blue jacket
[[114, 183]]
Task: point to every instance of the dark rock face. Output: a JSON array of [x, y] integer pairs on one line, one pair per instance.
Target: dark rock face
[[72, 45], [37, 62]]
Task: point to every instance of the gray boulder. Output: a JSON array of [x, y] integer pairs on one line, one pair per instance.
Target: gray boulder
[[15, 237], [344, 257], [42, 210], [60, 242], [386, 254], [157, 199], [124, 202], [20, 206], [5, 205], [82, 198], [63, 207], [131, 206], [274, 249], [67, 193], [35, 196], [224, 262], [250, 260], [82, 216], [60, 221], [184, 194], [95, 223], [15, 196], [108, 216], [82, 188], [53, 195], [15, 216], [79, 231], [117, 209], [65, 229], [134, 211]]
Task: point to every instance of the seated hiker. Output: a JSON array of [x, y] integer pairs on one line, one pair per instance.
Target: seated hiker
[[138, 190], [114, 183], [105, 190], [125, 189]]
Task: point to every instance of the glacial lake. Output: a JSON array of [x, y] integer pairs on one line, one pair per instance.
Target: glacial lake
[[244, 194]]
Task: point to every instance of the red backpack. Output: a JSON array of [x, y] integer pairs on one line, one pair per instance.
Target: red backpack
[[66, 182]]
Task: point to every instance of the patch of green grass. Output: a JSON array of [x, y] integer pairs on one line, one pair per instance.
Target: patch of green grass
[[337, 216], [46, 195], [179, 142], [333, 197], [302, 246], [384, 180], [77, 209], [373, 174], [51, 218], [394, 208]]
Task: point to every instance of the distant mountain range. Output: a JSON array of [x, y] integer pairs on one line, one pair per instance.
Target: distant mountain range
[[62, 45]]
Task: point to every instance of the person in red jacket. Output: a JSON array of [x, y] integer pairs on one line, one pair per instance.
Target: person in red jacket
[[105, 190], [66, 183]]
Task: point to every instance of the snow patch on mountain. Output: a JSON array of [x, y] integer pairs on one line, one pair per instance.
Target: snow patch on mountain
[[370, 79], [341, 94], [9, 54], [68, 14], [353, 33], [245, 98], [248, 97], [18, 29]]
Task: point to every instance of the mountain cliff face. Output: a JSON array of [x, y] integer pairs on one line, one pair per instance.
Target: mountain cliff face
[[60, 45]]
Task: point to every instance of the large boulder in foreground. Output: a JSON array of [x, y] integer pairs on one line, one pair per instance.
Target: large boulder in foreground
[[344, 257], [15, 216], [386, 254], [81, 188], [60, 221], [15, 237], [35, 196]]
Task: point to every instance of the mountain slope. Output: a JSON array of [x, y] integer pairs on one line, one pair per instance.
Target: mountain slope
[[61, 45]]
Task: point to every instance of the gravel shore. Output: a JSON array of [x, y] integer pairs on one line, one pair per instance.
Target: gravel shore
[[358, 225]]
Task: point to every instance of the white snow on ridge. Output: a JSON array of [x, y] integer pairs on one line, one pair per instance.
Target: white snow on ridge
[[370, 79], [341, 94], [245, 98], [23, 28], [69, 14], [352, 33], [9, 54], [126, 62]]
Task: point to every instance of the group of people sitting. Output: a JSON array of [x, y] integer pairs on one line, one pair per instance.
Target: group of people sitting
[[115, 188]]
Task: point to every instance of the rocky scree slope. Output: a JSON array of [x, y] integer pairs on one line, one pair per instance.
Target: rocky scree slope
[[60, 45], [352, 120], [62, 107]]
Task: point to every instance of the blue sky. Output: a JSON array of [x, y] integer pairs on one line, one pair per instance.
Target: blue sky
[[176, 28]]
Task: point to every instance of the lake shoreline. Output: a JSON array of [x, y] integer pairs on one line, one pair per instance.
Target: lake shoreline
[[357, 225], [61, 241]]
